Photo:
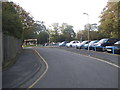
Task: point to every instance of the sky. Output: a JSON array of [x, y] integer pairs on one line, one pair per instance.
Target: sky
[[64, 11]]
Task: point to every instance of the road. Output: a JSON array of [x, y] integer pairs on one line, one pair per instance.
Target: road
[[69, 70]]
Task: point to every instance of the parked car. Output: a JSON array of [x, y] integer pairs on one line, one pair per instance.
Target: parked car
[[114, 48], [81, 45], [46, 44], [90, 44], [100, 45], [72, 44], [63, 43], [53, 44]]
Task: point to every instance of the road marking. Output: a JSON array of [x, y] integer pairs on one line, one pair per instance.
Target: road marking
[[106, 62], [99, 60], [103, 61], [105, 53], [43, 72], [115, 65]]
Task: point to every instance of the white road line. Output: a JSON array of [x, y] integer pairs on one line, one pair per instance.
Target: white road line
[[43, 72], [100, 60], [106, 62], [115, 65]]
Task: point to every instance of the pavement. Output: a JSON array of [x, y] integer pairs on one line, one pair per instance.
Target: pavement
[[27, 66]]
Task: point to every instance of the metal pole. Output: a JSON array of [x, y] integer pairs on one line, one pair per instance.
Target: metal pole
[[88, 29], [88, 33]]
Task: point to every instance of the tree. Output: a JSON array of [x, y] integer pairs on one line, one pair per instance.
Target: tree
[[10, 19], [0, 14], [42, 37], [79, 35], [36, 29], [26, 20], [53, 32], [110, 20], [59, 33], [16, 21], [39, 27], [93, 35], [69, 33]]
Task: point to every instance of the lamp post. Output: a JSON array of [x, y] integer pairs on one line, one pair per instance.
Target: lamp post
[[88, 28], [94, 26]]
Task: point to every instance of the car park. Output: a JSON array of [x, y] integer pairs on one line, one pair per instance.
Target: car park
[[100, 45], [72, 44], [62, 44], [81, 45], [114, 48]]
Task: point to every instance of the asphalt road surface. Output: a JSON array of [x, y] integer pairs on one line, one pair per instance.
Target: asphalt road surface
[[70, 70]]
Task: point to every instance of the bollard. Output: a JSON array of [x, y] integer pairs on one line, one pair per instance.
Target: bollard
[[95, 48], [113, 51]]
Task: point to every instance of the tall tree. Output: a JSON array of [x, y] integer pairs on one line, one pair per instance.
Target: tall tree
[[110, 19], [42, 37], [69, 33], [16, 21], [39, 27], [60, 33], [11, 22], [26, 19], [54, 32]]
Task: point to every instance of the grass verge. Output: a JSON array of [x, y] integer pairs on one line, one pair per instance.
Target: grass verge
[[29, 46]]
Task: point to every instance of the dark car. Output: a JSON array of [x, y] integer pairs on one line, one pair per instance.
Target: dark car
[[114, 49], [100, 45]]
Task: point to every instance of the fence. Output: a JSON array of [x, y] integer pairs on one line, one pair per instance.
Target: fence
[[11, 46]]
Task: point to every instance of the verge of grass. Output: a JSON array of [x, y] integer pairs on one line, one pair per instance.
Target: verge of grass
[[29, 46]]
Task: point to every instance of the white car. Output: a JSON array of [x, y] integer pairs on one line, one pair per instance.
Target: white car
[[62, 44], [90, 44], [72, 44], [80, 45]]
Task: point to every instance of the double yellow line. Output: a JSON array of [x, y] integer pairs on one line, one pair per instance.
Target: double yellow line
[[46, 65]]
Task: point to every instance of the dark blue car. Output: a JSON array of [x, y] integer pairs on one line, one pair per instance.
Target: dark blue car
[[114, 49], [101, 45]]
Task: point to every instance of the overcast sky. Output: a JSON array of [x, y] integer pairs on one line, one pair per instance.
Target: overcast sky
[[64, 11]]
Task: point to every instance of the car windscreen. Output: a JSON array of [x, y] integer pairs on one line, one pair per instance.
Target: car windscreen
[[92, 42], [117, 42], [83, 42], [103, 41]]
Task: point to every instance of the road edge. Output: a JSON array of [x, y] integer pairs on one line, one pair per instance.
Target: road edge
[[40, 77], [98, 59]]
